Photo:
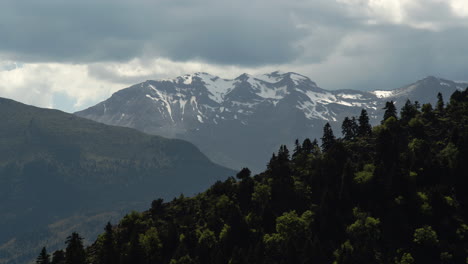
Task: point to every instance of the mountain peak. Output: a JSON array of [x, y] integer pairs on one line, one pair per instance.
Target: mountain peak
[[430, 78], [438, 80], [243, 77], [281, 73], [208, 109]]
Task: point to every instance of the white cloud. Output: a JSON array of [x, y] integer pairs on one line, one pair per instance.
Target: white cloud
[[459, 7], [87, 84], [432, 15], [37, 83], [361, 44]]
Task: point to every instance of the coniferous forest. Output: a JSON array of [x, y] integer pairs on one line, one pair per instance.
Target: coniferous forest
[[393, 193]]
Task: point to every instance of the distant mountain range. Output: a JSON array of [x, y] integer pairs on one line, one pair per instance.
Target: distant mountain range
[[61, 173], [238, 122]]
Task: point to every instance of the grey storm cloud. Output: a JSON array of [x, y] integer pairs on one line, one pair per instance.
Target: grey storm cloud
[[239, 32], [400, 55], [246, 33]]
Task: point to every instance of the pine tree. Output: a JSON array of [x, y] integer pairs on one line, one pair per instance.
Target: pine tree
[[428, 112], [354, 126], [307, 146], [157, 207], [272, 163], [283, 154], [107, 253], [297, 149], [390, 111], [408, 111], [315, 147], [43, 257], [75, 253], [58, 257], [244, 174], [348, 128], [440, 103], [364, 128], [328, 139]]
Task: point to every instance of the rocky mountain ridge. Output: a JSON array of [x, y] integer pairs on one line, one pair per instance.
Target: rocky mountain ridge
[[213, 112]]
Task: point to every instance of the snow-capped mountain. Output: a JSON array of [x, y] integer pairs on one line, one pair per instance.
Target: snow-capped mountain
[[422, 90], [240, 122]]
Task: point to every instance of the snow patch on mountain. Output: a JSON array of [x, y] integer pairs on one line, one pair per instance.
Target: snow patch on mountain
[[218, 88], [382, 93], [298, 79], [310, 111], [273, 93], [202, 98], [268, 78], [350, 96], [323, 98], [268, 108]]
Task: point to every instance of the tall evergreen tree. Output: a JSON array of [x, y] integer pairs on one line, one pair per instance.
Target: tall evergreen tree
[[157, 207], [307, 146], [364, 128], [75, 253], [354, 126], [390, 111], [273, 160], [328, 139], [408, 111], [58, 257], [244, 174], [348, 128], [315, 147], [297, 148], [440, 103], [283, 154], [428, 112], [43, 257], [108, 252]]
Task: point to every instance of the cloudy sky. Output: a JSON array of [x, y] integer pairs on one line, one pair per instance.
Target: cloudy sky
[[72, 54]]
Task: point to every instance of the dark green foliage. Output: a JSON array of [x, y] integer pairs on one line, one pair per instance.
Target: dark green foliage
[[75, 253], [328, 138], [390, 111], [408, 111], [307, 146], [349, 128], [243, 174], [440, 103], [364, 128], [354, 126], [55, 165], [297, 148], [43, 257], [58, 257], [108, 252], [397, 195]]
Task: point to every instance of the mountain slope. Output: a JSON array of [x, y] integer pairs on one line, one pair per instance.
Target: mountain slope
[[422, 90], [218, 114], [55, 165]]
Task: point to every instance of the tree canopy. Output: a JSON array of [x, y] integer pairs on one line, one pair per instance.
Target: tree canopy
[[395, 194]]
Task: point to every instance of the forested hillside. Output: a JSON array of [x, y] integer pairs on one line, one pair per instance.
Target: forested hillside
[[394, 193], [59, 171]]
